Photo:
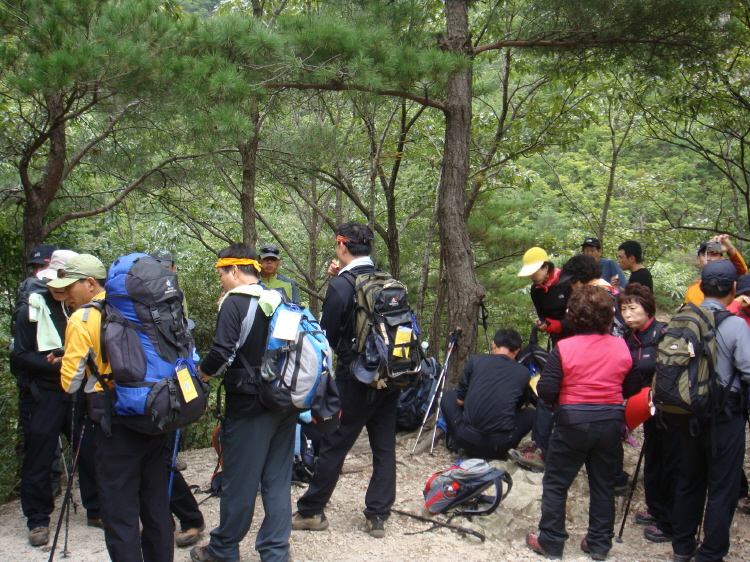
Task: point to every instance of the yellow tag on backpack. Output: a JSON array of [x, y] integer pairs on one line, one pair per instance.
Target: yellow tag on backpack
[[186, 385]]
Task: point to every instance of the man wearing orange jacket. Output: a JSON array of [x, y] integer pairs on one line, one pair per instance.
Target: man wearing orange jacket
[[705, 255]]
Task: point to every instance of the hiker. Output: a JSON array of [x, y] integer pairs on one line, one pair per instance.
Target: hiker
[[713, 451], [182, 503], [257, 443], [661, 437], [630, 258], [549, 292], [708, 252], [45, 411], [131, 476], [611, 272], [484, 414], [361, 405], [586, 377], [269, 263]]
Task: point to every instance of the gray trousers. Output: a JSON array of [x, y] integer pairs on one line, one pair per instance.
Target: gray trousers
[[257, 450]]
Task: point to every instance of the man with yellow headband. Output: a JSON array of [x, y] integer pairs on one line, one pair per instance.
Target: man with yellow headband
[[257, 443]]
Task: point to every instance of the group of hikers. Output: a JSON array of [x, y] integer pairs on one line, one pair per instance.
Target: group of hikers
[[605, 338]]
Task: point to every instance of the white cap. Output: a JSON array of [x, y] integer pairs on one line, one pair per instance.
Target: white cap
[[58, 261]]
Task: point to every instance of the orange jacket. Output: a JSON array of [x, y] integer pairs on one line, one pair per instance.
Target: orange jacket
[[694, 293]]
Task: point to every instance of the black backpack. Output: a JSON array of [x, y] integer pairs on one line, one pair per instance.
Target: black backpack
[[413, 402], [534, 358], [386, 348]]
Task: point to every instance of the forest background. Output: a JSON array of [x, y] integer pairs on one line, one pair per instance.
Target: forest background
[[463, 132]]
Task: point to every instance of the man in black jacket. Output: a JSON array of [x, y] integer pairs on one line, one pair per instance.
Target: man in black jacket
[[257, 443], [361, 405], [484, 413]]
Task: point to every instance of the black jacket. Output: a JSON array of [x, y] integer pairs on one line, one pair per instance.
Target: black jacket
[[642, 345], [337, 318], [242, 399], [492, 388], [553, 303]]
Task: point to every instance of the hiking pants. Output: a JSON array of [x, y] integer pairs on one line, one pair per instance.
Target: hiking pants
[[132, 481], [661, 457], [182, 502], [43, 421], [570, 447], [718, 477], [256, 450], [361, 406], [483, 445], [542, 429]]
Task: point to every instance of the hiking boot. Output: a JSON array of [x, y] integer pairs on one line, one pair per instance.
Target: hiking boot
[[531, 459], [188, 536], [95, 522], [532, 541], [587, 549], [744, 505], [644, 518], [179, 466], [684, 557], [39, 536], [654, 534], [313, 523], [375, 527], [201, 554]]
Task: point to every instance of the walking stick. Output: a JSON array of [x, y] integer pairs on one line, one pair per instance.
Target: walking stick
[[451, 344], [436, 523], [441, 382], [483, 316], [68, 490], [174, 462], [632, 490]]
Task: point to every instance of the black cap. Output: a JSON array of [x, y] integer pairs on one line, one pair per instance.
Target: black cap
[[719, 270], [591, 241], [743, 285], [162, 256], [269, 251], [42, 254]]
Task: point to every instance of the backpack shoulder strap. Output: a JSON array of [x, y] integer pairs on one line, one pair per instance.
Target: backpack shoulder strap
[[498, 479]]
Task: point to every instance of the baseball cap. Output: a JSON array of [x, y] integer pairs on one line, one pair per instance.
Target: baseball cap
[[719, 270], [743, 285], [533, 259], [79, 267], [591, 241], [42, 254], [269, 251], [57, 262], [162, 256]]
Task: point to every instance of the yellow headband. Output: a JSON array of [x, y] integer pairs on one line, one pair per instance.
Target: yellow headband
[[225, 262]]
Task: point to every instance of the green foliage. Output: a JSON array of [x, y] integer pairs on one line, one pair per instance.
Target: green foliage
[[10, 438]]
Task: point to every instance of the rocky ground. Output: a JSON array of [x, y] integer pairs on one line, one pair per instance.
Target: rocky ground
[[345, 540]]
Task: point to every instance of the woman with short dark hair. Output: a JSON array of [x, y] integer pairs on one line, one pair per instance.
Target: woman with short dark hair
[[587, 377]]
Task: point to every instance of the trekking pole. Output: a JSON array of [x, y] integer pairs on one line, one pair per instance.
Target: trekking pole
[[71, 475], [630, 494], [174, 462], [483, 316], [441, 379], [451, 344], [68, 490]]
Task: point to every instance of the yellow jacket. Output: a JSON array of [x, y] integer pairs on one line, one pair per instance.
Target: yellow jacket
[[694, 293], [82, 339]]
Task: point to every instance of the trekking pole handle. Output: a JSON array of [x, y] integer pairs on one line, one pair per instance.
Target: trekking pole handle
[[454, 337]]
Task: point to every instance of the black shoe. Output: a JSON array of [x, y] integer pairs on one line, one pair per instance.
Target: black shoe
[[684, 557], [653, 534], [375, 527], [594, 555]]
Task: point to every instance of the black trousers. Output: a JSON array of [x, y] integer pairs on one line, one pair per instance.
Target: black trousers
[[132, 484], [361, 406], [542, 426], [661, 457], [709, 478], [42, 422], [182, 502], [570, 447], [493, 446]]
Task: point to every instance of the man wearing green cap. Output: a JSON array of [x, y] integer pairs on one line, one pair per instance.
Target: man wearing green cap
[[131, 477]]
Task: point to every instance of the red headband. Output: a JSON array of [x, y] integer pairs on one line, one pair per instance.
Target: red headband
[[344, 239]]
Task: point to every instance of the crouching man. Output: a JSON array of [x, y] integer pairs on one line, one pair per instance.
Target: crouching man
[[484, 414]]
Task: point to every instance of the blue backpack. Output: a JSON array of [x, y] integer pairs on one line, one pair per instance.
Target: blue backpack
[[146, 341]]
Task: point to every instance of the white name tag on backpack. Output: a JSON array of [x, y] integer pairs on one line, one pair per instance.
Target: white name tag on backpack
[[286, 325]]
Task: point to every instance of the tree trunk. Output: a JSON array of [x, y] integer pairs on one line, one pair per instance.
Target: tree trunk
[[249, 152], [464, 292]]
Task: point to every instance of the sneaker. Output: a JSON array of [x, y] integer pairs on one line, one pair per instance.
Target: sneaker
[[654, 534], [644, 518], [532, 541], [189, 536], [95, 522], [201, 554], [39, 536], [314, 523], [532, 459], [744, 505], [375, 527], [587, 549]]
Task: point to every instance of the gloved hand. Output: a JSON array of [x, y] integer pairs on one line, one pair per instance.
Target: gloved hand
[[553, 326]]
